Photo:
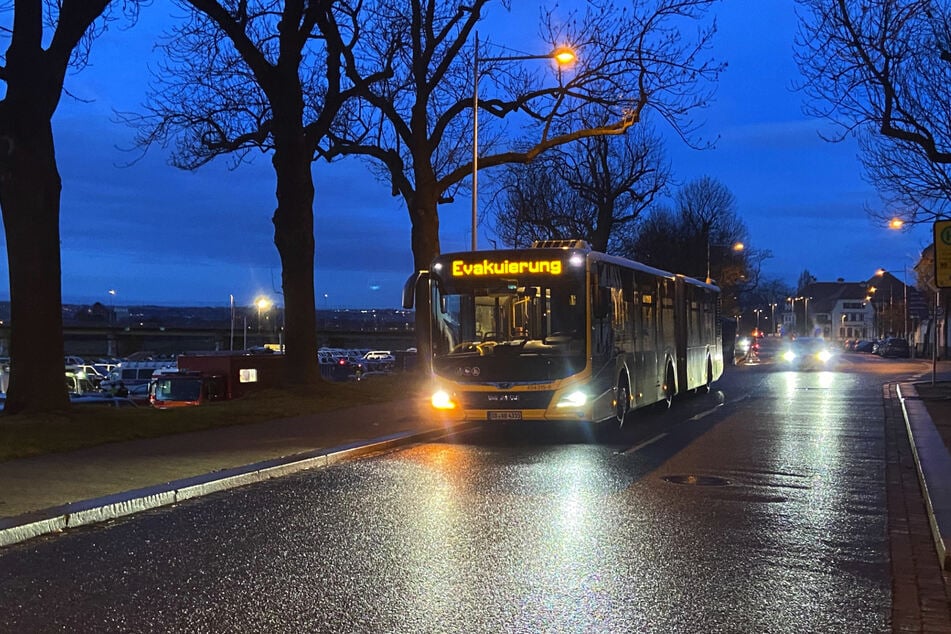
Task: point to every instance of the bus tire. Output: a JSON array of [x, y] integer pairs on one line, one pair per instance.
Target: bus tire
[[670, 386], [622, 402], [708, 383]]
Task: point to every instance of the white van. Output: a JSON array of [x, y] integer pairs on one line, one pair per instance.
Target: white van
[[136, 372]]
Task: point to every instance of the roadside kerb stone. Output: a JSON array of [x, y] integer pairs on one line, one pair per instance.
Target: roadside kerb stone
[[934, 468], [53, 520]]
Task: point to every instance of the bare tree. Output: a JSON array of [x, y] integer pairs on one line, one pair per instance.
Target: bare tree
[[905, 179], [659, 239], [707, 209], [47, 37], [532, 203], [880, 69], [609, 181], [417, 128], [267, 75], [699, 237]]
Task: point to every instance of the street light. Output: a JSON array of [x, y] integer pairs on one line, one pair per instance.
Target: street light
[[563, 56], [262, 303], [112, 305], [904, 287], [805, 313], [736, 247]]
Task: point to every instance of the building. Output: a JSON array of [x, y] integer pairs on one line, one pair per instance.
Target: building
[[836, 310]]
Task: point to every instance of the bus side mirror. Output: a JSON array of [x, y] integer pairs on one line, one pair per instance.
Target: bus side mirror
[[409, 288]]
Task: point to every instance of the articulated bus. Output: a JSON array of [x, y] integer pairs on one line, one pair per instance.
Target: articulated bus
[[559, 332]]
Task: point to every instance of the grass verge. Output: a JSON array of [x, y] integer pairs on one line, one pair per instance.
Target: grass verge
[[90, 425]]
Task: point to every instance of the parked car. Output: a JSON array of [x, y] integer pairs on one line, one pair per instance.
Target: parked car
[[863, 345], [895, 347]]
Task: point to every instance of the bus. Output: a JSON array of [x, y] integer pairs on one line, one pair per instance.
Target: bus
[[559, 332]]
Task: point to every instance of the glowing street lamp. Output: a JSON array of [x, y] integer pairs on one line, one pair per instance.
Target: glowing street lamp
[[112, 305], [904, 287], [736, 247], [562, 56], [262, 303]]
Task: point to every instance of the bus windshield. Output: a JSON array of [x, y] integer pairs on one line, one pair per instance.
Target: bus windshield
[[513, 327]]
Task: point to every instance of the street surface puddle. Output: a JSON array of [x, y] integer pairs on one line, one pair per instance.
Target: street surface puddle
[[695, 480]]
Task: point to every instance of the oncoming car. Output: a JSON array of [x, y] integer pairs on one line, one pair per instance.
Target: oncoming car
[[807, 353]]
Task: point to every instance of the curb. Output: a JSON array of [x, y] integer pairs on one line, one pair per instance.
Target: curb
[[18, 529], [934, 468]]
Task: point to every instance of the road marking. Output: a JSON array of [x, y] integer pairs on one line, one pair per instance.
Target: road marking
[[645, 443], [706, 413]]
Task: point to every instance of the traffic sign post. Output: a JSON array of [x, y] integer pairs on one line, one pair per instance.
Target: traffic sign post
[[942, 253], [942, 279]]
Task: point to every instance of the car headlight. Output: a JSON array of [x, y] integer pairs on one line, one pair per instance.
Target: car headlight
[[573, 399], [789, 355], [441, 399], [824, 355]]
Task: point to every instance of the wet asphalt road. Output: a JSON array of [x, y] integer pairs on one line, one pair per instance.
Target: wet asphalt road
[[757, 508]]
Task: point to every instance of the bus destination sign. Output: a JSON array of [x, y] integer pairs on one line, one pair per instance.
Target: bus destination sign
[[489, 268]]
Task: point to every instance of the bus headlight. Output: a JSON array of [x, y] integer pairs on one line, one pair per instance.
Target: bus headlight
[[442, 400], [573, 399]]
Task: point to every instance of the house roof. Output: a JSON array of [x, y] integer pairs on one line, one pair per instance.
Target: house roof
[[824, 296]]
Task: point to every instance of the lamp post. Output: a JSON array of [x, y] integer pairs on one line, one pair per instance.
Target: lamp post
[[772, 316], [736, 247], [561, 55], [904, 287], [262, 303], [112, 305], [805, 313]]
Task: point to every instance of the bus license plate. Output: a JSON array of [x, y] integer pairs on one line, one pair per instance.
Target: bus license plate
[[505, 415]]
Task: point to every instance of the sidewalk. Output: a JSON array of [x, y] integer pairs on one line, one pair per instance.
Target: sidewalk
[[50, 493]]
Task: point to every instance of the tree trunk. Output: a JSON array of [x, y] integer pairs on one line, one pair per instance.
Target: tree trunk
[[603, 227], [30, 188], [294, 237], [425, 244]]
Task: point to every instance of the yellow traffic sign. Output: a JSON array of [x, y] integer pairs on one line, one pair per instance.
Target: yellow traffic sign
[[942, 253]]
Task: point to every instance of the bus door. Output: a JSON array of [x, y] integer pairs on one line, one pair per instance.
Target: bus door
[[606, 278], [647, 332], [682, 314]]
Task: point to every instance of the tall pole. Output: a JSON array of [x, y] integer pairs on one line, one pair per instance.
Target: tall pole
[[708, 255], [904, 288], [232, 322], [475, 141], [934, 329], [562, 56]]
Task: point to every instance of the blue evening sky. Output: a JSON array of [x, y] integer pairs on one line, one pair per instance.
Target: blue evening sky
[[156, 234]]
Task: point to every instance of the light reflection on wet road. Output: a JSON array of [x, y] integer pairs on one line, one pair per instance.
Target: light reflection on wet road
[[519, 529]]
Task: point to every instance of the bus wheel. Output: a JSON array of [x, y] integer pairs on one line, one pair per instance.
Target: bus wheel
[[622, 403], [707, 385], [670, 387]]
